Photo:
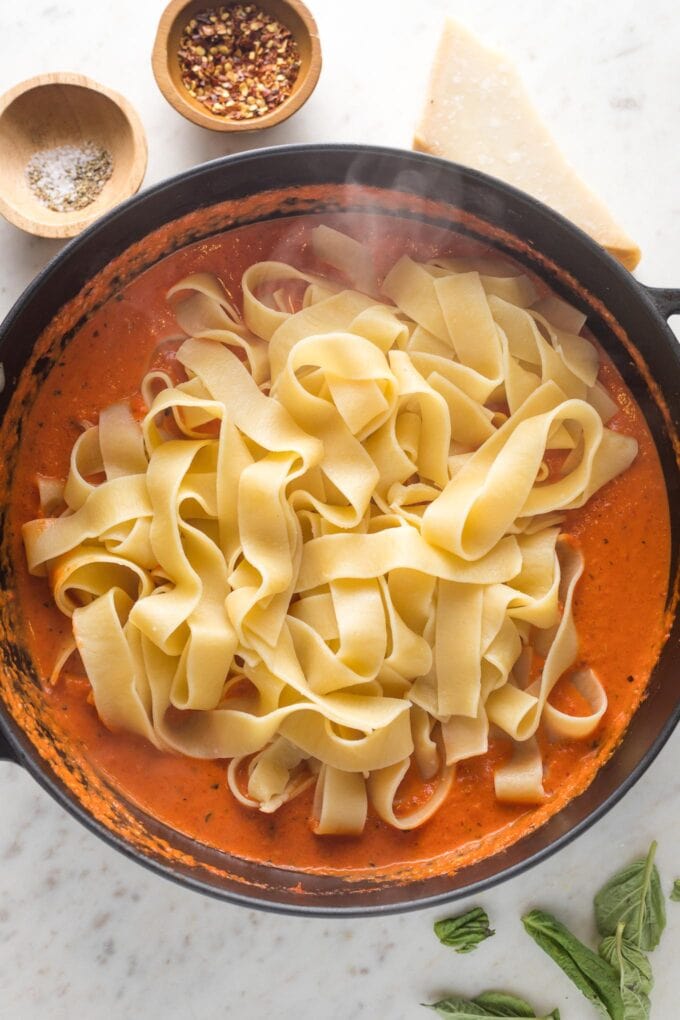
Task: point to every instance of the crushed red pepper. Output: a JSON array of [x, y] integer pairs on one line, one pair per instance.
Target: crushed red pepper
[[238, 61]]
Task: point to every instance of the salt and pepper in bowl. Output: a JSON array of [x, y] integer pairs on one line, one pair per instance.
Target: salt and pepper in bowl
[[72, 149]]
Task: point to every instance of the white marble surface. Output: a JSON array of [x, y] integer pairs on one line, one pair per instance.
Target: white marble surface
[[83, 931]]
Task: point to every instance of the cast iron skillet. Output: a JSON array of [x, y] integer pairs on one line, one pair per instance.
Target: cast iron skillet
[[286, 182]]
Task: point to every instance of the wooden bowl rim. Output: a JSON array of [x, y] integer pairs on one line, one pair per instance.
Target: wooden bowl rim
[[159, 63], [139, 148]]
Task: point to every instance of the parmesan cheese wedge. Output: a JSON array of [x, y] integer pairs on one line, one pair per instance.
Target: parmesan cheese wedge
[[478, 113]]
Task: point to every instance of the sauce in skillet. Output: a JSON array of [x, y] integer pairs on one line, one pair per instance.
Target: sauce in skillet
[[619, 609]]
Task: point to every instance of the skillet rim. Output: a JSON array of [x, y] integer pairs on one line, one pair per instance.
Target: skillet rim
[[148, 199]]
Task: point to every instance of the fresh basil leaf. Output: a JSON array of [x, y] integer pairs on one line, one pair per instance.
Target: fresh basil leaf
[[634, 896], [636, 1006], [635, 973], [465, 932], [453, 1008], [493, 1005], [628, 961], [509, 1005], [675, 891], [592, 975]]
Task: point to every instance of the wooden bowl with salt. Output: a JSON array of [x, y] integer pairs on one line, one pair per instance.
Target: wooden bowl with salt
[[66, 141], [165, 61]]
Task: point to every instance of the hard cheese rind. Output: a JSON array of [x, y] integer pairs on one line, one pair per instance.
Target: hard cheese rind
[[478, 113]]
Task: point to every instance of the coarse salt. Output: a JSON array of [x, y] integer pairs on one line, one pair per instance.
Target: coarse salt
[[69, 177]]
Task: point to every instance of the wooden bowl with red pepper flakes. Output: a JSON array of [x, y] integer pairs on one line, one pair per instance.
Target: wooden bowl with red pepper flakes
[[239, 66]]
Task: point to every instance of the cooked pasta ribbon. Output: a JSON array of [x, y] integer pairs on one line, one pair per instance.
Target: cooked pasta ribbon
[[334, 553]]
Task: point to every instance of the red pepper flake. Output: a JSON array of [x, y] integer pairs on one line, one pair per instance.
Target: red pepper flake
[[238, 61]]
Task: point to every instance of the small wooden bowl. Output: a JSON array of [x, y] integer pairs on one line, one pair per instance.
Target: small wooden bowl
[[65, 109], [165, 62]]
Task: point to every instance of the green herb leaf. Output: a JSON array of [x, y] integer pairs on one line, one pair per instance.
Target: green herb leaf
[[627, 960], [494, 1005], [636, 1006], [509, 1005], [675, 891], [465, 932], [634, 896], [635, 973], [592, 975]]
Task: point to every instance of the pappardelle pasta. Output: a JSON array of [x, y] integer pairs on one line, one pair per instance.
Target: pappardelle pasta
[[332, 551]]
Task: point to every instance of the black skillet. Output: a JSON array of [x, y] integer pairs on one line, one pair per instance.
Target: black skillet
[[627, 317]]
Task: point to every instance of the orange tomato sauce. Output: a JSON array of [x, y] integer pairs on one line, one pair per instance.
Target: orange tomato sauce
[[624, 533]]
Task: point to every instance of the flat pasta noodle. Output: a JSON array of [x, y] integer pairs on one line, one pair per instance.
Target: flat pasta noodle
[[331, 552], [274, 776], [521, 780]]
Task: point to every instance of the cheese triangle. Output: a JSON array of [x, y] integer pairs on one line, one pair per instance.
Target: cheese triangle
[[478, 113]]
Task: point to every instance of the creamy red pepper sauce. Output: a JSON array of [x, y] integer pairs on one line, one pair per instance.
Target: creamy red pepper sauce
[[624, 533]]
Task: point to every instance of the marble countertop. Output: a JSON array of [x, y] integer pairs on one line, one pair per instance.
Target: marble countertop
[[84, 932]]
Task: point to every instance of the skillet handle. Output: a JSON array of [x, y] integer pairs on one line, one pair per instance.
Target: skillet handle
[[7, 753], [666, 299]]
